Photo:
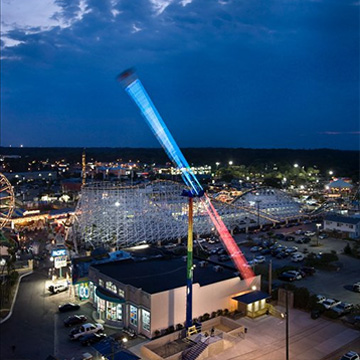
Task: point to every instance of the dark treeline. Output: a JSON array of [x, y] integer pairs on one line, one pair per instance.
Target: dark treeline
[[343, 163]]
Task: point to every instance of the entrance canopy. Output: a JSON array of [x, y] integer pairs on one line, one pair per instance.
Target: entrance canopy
[[109, 295], [251, 297]]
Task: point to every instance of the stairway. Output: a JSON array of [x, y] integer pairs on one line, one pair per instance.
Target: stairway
[[194, 352]]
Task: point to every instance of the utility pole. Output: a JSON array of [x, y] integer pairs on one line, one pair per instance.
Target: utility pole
[[287, 324], [270, 277]]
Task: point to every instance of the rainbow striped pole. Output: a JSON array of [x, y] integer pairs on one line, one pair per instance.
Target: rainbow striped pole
[[190, 266]]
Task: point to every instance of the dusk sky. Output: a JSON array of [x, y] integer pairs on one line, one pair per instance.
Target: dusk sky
[[245, 73]]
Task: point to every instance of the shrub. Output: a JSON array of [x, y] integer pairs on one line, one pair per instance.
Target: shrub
[[157, 333], [219, 312], [213, 314], [179, 326], [170, 329], [226, 312], [301, 298], [205, 317]]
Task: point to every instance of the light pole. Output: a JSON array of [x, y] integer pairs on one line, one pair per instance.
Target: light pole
[[231, 162], [287, 323], [258, 211], [317, 234]]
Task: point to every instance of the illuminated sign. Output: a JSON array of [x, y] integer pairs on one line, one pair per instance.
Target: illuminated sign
[[84, 291], [60, 261], [58, 252]]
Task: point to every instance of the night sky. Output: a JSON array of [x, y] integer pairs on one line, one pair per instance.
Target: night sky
[[241, 73]]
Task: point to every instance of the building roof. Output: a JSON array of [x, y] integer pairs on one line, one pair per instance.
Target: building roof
[[343, 219], [340, 183], [158, 275], [251, 297]]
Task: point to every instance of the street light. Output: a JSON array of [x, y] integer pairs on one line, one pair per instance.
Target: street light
[[331, 173], [317, 234], [296, 165], [230, 162]]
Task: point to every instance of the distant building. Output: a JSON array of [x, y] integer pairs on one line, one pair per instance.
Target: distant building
[[149, 295], [32, 175], [347, 226]]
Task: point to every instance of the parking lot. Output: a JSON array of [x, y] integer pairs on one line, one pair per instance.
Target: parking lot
[[332, 284]]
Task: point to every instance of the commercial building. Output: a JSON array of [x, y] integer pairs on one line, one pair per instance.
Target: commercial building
[[347, 226], [150, 294]]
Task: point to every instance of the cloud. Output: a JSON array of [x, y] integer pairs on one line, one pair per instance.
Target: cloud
[[340, 133], [159, 6], [36, 16]]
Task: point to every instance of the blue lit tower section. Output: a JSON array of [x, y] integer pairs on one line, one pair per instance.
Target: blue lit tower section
[[137, 92]]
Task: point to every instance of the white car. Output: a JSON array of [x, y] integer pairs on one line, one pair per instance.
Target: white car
[[88, 328], [351, 355], [330, 303], [297, 257], [295, 273], [320, 299], [310, 233]]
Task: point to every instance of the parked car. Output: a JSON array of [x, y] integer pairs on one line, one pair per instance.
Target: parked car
[[351, 355], [260, 259], [256, 248], [88, 328], [298, 232], [291, 249], [280, 236], [75, 320], [320, 299], [342, 308], [282, 255], [289, 238], [308, 271], [223, 258], [265, 252], [297, 257], [57, 288], [69, 307], [92, 338], [356, 287], [286, 277], [310, 233], [330, 303], [323, 236], [295, 273]]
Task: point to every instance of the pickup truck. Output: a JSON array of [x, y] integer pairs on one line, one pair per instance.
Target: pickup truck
[[88, 328], [330, 303]]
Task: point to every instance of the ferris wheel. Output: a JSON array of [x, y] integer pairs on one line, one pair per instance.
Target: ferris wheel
[[7, 200]]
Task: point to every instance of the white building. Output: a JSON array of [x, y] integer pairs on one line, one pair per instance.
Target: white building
[[150, 295], [349, 226]]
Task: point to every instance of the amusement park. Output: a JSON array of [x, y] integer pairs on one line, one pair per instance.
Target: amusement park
[[168, 269]]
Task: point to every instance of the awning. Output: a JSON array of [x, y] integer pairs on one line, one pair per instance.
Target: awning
[[109, 296], [251, 297]]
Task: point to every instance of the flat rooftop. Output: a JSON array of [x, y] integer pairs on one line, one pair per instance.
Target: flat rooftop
[[157, 275]]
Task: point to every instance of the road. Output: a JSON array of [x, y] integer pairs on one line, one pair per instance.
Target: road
[[29, 333]]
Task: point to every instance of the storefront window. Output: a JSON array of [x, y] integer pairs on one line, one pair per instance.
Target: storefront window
[[133, 315], [110, 310], [101, 305], [249, 308], [119, 312], [145, 317]]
